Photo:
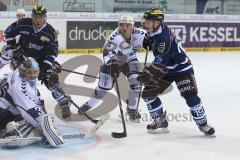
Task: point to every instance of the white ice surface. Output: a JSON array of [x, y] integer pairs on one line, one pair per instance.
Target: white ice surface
[[218, 80]]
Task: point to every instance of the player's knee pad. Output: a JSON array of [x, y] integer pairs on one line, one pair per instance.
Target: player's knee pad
[[50, 130], [134, 66], [187, 85], [105, 80], [135, 85]]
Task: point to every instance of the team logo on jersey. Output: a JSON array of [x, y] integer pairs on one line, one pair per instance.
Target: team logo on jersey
[[35, 46], [124, 45], [161, 47], [44, 39], [24, 32]]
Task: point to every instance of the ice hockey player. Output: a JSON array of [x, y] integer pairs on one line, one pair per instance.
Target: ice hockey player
[[171, 64], [21, 13], [38, 39], [6, 53], [119, 55], [20, 99]]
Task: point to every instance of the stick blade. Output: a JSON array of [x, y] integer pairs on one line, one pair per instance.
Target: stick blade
[[119, 135], [100, 122]]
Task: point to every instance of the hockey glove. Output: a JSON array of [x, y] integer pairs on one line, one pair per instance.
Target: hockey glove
[[154, 72], [145, 76], [18, 54], [147, 42], [45, 72], [57, 67], [114, 68]]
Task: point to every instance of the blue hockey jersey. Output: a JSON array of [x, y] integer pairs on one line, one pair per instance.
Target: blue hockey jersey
[[168, 51], [41, 44]]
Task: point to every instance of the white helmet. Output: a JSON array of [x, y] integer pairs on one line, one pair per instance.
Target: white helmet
[[126, 19], [21, 12]]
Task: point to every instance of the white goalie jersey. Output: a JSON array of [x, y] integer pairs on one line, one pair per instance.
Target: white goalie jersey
[[125, 51], [6, 55], [19, 97]]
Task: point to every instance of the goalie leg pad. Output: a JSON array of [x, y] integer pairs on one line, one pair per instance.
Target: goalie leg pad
[[50, 131]]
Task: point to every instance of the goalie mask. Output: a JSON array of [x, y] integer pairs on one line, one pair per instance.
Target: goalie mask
[[29, 70]]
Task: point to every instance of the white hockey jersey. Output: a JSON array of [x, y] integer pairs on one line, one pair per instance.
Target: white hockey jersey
[[6, 55], [19, 97], [125, 51]]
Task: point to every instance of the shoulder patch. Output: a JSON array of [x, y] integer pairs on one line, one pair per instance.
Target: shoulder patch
[[44, 39], [161, 47], [56, 33]]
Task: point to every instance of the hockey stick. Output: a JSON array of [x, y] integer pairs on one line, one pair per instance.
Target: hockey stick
[[98, 123], [124, 133], [83, 74], [145, 63], [87, 116]]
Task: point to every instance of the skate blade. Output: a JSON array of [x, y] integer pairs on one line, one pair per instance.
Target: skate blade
[[209, 136], [135, 120], [158, 131]]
